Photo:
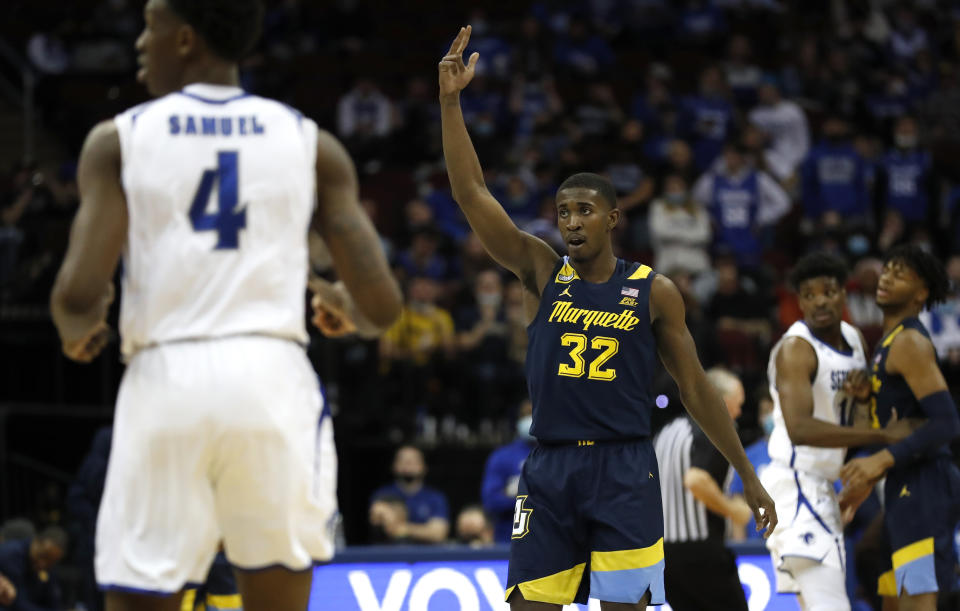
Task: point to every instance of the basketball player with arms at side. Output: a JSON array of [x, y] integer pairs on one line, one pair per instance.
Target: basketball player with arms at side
[[209, 193], [922, 490], [813, 424], [588, 517]]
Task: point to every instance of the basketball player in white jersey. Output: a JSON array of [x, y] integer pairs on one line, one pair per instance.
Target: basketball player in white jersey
[[208, 193], [812, 427]]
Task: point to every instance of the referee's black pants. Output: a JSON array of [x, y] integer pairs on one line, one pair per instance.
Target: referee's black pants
[[702, 576]]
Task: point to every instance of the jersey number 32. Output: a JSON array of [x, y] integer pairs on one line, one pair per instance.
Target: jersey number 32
[[227, 221]]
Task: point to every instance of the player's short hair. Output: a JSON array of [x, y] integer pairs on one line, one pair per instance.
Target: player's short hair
[[927, 266], [589, 180], [816, 265], [230, 28], [55, 535]]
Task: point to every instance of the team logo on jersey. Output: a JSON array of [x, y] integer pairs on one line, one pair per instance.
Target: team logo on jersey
[[521, 519], [629, 301], [807, 538], [904, 492], [567, 274], [566, 293]]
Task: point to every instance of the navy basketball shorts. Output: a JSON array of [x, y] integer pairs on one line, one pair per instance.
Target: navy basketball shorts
[[922, 505], [588, 523]]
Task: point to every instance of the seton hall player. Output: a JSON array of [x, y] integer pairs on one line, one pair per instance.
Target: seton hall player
[[209, 193], [588, 519], [812, 427]]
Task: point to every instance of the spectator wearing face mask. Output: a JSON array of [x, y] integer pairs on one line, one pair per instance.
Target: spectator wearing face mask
[[482, 347], [474, 527], [759, 457], [501, 475], [904, 184], [427, 518], [679, 229]]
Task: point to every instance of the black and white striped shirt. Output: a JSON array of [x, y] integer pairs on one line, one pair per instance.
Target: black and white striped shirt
[[680, 445]]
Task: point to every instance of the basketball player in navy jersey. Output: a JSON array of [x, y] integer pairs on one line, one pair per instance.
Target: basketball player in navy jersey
[[209, 193], [922, 489], [588, 517]]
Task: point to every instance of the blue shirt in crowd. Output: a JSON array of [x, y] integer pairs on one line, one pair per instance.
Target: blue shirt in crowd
[[422, 505], [501, 472], [906, 183], [707, 121], [834, 180]]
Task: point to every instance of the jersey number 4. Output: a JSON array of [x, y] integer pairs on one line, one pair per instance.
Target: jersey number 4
[[227, 221]]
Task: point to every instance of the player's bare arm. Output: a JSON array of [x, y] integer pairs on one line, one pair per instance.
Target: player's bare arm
[[796, 366], [530, 258], [351, 238], [912, 356], [679, 355], [83, 290]]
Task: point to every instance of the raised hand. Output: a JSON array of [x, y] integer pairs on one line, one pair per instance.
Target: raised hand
[[454, 74]]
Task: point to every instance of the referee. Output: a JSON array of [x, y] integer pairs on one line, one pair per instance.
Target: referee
[[692, 476]]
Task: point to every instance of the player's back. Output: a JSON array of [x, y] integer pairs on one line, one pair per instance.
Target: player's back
[[220, 190], [830, 404]]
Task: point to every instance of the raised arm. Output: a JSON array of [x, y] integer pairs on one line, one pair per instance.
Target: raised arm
[[83, 290], [679, 356], [348, 232], [796, 365], [530, 258]]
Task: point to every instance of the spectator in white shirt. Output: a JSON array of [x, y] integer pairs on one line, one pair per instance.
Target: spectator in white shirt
[[679, 229], [785, 124]]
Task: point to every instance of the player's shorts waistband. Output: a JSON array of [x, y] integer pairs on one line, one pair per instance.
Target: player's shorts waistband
[[210, 338], [586, 443]]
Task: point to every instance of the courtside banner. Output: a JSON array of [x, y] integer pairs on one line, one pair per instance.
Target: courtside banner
[[458, 579]]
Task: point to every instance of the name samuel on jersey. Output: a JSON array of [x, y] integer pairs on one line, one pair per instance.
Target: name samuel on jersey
[[190, 125]]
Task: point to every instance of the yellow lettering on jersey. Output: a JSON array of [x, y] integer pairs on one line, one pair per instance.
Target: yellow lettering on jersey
[[629, 301], [642, 272], [564, 312]]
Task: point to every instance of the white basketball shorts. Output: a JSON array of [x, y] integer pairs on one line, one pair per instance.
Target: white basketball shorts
[[216, 441], [810, 524]]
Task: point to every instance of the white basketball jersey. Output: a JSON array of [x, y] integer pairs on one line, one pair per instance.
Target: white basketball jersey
[[830, 404], [220, 189]]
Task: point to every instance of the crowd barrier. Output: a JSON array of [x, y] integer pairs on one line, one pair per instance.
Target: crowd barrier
[[463, 579]]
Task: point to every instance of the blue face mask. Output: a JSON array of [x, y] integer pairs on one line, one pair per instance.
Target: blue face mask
[[767, 424], [523, 427]]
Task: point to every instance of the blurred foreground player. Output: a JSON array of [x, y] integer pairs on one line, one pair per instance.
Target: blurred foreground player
[[922, 490], [589, 491], [208, 192]]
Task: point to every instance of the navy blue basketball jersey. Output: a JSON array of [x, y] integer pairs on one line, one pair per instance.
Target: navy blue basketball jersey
[[891, 390], [591, 356]]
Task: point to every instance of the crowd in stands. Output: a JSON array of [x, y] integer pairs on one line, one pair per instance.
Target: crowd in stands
[[739, 135]]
